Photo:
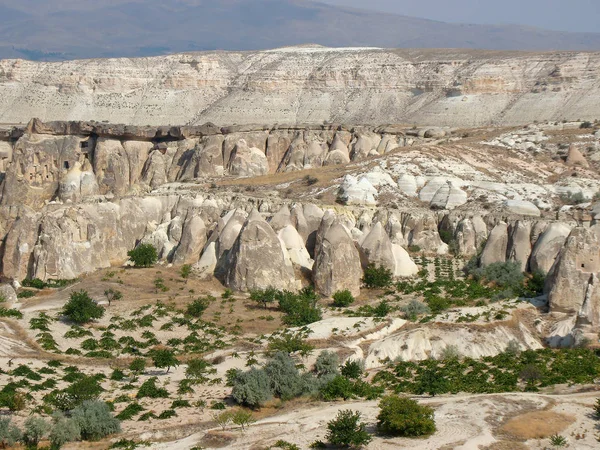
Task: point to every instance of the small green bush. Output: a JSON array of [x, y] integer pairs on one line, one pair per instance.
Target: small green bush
[[342, 299], [198, 306], [404, 417], [352, 369], [144, 255], [415, 309], [80, 308], [95, 420], [130, 410], [347, 430], [150, 390], [164, 359], [377, 277]]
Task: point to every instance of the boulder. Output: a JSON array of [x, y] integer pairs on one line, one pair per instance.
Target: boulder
[[496, 246], [376, 248], [258, 259], [547, 247], [576, 158], [281, 219], [294, 244], [248, 161], [337, 261], [193, 239], [519, 243], [522, 208], [434, 133], [357, 192], [448, 196]]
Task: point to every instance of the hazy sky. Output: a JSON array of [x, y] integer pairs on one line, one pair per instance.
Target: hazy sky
[[567, 15]]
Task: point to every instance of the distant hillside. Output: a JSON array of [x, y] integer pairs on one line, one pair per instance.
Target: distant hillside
[[69, 29]]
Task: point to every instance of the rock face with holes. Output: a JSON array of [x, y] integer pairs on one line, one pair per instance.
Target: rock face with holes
[[574, 283]]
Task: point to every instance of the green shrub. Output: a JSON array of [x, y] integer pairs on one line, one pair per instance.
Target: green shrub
[[138, 365], [80, 308], [130, 410], [347, 430], [167, 414], [338, 387], [9, 433], [284, 378], [252, 388], [95, 420], [342, 299], [415, 309], [164, 358], [180, 404], [586, 125], [112, 295], [289, 342], [264, 296], [404, 417], [352, 369], [558, 441], [327, 364], [377, 277], [63, 430], [196, 368], [34, 430], [300, 309], [144, 255], [150, 390], [26, 293], [186, 271], [242, 418], [14, 313], [198, 306]]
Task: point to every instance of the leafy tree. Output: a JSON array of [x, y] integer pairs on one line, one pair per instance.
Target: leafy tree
[[85, 389], [327, 364], [338, 387], [198, 306], [252, 388], [138, 365], [352, 369], [346, 430], [264, 296], [63, 430], [144, 255], [341, 299], [377, 277], [242, 418], [400, 416], [196, 368], [95, 420], [112, 295], [164, 358], [34, 430], [300, 309], [9, 433], [80, 308], [284, 377], [223, 419]]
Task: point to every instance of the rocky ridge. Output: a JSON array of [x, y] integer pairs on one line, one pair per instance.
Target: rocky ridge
[[308, 85]]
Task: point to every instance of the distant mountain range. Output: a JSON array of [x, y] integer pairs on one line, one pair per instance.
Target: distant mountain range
[[72, 29]]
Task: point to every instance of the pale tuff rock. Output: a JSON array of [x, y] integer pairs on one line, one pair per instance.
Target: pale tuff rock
[[575, 158], [376, 248], [111, 166], [258, 260], [379, 178], [226, 235], [281, 219], [205, 267], [366, 145], [193, 239], [307, 219], [357, 192], [337, 261], [422, 231], [519, 243], [573, 284], [522, 207], [294, 244], [78, 183], [407, 184], [248, 161], [470, 235], [405, 266], [7, 292], [19, 243], [448, 196], [428, 191], [548, 246], [137, 153], [496, 246], [336, 157]]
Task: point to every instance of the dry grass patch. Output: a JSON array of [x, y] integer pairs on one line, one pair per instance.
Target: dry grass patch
[[537, 425], [507, 445]]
